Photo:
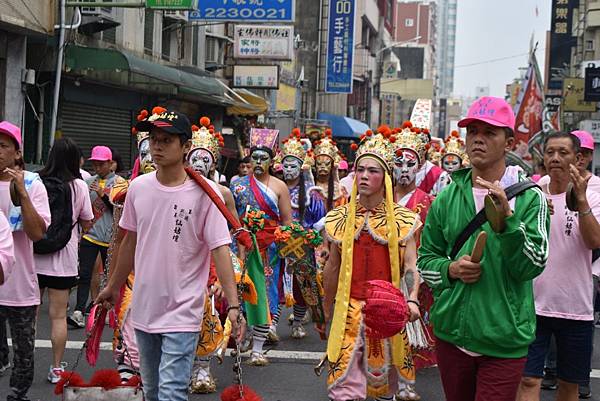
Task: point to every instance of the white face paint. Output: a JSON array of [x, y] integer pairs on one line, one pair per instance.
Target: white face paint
[[146, 162], [201, 161], [261, 160], [451, 163], [291, 168], [406, 166]]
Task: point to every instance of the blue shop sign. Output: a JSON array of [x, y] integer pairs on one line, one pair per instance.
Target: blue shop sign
[[245, 10], [340, 47]]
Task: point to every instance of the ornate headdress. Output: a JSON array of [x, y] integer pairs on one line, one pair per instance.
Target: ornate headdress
[[292, 146], [378, 145], [454, 145], [420, 143], [408, 138], [434, 154], [326, 146], [205, 137], [264, 139]]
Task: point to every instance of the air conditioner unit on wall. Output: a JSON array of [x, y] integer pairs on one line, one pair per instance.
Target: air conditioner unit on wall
[[180, 15], [97, 19]]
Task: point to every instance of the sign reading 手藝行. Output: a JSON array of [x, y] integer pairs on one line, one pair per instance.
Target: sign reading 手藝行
[[245, 10], [172, 4], [273, 42], [340, 47]]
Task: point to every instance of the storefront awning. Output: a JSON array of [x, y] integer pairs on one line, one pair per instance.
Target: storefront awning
[[124, 69], [247, 103], [344, 127]]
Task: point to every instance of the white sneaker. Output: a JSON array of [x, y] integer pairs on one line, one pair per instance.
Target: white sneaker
[[54, 373], [76, 319], [4, 368]]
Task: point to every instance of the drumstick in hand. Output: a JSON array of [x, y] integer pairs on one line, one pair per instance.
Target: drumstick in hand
[[477, 253]]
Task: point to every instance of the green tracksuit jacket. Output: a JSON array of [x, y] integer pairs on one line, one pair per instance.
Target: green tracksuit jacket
[[495, 316]]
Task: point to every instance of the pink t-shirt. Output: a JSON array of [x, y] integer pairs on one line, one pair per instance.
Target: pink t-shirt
[[564, 289], [64, 262], [7, 251], [176, 228], [21, 287]]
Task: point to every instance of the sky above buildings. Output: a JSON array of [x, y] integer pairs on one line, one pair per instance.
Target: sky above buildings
[[492, 42]]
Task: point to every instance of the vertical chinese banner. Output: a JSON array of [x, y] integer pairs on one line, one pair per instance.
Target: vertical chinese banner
[[561, 42], [340, 47]]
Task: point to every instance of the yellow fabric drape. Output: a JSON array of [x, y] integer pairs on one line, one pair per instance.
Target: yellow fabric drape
[[336, 334]]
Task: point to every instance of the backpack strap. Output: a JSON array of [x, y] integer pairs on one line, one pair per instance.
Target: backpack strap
[[480, 218]]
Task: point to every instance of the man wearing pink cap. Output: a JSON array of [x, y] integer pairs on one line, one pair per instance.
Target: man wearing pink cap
[[97, 239], [483, 314], [24, 200]]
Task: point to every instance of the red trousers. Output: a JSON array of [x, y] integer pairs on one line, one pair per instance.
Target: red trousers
[[483, 378]]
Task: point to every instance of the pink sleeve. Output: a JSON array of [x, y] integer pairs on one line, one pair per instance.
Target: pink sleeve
[[39, 200], [84, 205], [128, 218], [215, 232], [7, 256]]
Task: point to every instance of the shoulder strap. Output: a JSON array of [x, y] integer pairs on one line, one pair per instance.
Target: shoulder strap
[[480, 218]]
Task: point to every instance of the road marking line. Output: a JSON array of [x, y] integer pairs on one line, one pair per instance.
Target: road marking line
[[107, 346]]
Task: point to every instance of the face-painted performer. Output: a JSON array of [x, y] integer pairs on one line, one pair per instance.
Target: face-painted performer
[[307, 208], [270, 195], [203, 157], [409, 150], [454, 155], [372, 239], [327, 158], [124, 334]]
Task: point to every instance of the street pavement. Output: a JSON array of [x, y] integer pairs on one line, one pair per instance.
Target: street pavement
[[289, 377]]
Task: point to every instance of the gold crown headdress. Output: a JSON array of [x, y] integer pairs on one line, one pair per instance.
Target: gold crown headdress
[[377, 144], [204, 137], [434, 154], [454, 145], [408, 138], [421, 135], [327, 146], [292, 146]]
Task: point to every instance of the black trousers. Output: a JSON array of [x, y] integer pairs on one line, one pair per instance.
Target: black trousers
[[88, 252]]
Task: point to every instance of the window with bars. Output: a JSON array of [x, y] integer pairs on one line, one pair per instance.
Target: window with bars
[[148, 31]]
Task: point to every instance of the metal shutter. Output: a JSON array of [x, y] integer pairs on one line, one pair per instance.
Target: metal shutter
[[91, 125]]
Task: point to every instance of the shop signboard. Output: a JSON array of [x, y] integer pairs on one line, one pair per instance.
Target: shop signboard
[[245, 10], [256, 76], [271, 42]]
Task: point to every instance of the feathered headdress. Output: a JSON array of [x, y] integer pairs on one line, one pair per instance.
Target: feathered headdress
[[205, 137]]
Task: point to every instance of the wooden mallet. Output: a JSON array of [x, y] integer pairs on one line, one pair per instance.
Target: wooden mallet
[[477, 252]]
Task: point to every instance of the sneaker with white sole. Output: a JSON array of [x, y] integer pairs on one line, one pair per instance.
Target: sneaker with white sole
[[54, 373], [4, 368], [76, 320]]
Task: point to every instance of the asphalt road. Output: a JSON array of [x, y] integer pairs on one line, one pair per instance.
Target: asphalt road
[[289, 377]]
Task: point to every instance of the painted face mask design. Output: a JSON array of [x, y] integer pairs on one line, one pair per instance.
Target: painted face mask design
[[201, 161], [291, 168], [451, 163], [146, 162], [406, 166], [261, 161], [323, 165]]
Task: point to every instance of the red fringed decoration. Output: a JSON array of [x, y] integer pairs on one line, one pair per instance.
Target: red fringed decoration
[[386, 311], [232, 393], [95, 326], [243, 238], [106, 378], [74, 379], [134, 381]]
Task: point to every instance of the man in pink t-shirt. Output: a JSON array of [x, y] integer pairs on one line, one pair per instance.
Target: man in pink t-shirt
[[25, 203], [173, 228], [563, 292], [7, 252]]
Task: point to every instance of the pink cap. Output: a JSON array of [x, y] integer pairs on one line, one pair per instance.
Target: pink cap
[[491, 110], [343, 165], [12, 131], [586, 139], [101, 154]]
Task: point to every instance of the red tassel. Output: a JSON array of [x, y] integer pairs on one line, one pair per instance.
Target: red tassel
[[74, 379], [232, 393], [106, 378]]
